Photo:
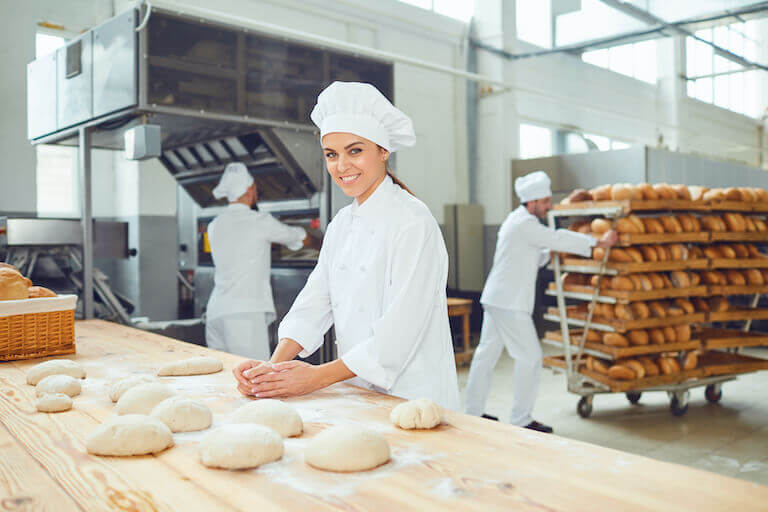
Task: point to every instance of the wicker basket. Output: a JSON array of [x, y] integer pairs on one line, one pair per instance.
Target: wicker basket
[[33, 328]]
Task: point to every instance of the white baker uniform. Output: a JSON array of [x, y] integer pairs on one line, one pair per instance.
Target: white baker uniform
[[241, 306], [522, 247], [380, 281]]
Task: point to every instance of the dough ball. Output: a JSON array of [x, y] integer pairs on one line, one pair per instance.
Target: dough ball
[[192, 366], [58, 384], [182, 414], [54, 367], [142, 398], [347, 448], [421, 413], [133, 434], [119, 387], [280, 417], [54, 402], [240, 446]]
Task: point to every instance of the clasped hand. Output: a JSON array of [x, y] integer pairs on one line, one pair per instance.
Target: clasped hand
[[262, 379]]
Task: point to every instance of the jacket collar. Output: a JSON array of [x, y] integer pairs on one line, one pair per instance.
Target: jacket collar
[[377, 201]]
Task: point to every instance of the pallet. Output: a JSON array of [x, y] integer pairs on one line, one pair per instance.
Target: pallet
[[628, 325], [630, 206], [747, 289], [627, 239], [624, 297], [729, 236], [726, 363], [622, 386], [622, 352], [738, 263], [738, 314], [646, 266], [712, 338]]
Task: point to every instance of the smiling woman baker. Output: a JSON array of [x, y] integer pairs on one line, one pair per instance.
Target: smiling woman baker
[[381, 274]]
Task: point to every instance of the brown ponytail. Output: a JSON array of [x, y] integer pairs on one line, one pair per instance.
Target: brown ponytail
[[399, 183]]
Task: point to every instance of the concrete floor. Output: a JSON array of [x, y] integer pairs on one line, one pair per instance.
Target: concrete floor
[[730, 438]]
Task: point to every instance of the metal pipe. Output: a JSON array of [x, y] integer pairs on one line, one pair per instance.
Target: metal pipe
[[86, 219]]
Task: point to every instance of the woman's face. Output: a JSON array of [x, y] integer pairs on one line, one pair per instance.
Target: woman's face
[[357, 165]]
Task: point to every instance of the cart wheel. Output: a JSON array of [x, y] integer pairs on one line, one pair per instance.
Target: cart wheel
[[679, 403], [585, 406], [634, 396], [713, 393]]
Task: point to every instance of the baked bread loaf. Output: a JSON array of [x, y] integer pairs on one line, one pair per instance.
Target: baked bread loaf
[[760, 224], [594, 336], [624, 312], [657, 282], [671, 224], [636, 367], [761, 195], [713, 223], [715, 194], [614, 339], [691, 361], [735, 278], [700, 304], [13, 286], [578, 196], [580, 226], [653, 225], [679, 252], [695, 252], [727, 252], [670, 335], [657, 336], [657, 309], [740, 250], [663, 252], [648, 192], [622, 283], [640, 310], [602, 193], [685, 305], [735, 222], [695, 278], [600, 226], [683, 333], [651, 370], [635, 254], [624, 225], [649, 253], [638, 337], [668, 365], [665, 191], [751, 227], [747, 195], [754, 277], [696, 192], [682, 192], [37, 292], [718, 304], [599, 366], [732, 194], [621, 192], [641, 282], [753, 252], [621, 372], [680, 279], [686, 222]]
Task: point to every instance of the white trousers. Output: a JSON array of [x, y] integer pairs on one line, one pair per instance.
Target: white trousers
[[514, 330], [242, 334]]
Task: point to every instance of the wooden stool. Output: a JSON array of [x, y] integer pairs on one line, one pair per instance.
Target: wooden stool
[[462, 308]]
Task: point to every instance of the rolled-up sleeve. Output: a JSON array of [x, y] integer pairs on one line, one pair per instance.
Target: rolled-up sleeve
[[310, 315], [290, 236], [559, 240], [418, 280]]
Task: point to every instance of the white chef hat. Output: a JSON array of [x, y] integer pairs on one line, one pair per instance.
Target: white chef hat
[[359, 108], [234, 182], [533, 186]]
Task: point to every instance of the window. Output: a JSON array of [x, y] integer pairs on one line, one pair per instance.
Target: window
[[57, 191], [459, 9], [534, 22], [715, 79], [636, 60], [535, 141], [574, 142]]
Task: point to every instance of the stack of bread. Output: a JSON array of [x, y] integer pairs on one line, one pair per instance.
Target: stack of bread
[[644, 366], [14, 286], [665, 191]]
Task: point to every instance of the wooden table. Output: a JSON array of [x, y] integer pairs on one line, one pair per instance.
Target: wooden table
[[462, 308], [466, 464]]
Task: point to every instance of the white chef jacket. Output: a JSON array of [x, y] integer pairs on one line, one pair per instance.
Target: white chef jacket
[[522, 247], [241, 241], [380, 280]]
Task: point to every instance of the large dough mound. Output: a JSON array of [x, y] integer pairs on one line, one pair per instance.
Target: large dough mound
[[120, 386], [132, 434], [240, 446], [192, 366], [58, 384], [56, 402], [280, 417], [421, 413], [54, 367], [347, 448], [182, 414], [141, 399]]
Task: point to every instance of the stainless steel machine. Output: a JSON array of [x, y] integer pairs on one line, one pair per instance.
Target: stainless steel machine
[[218, 93]]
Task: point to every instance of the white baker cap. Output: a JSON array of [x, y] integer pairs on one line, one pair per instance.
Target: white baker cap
[[359, 108], [533, 186], [234, 182]]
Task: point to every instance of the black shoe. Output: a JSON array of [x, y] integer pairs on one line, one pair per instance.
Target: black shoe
[[540, 427], [489, 417]]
